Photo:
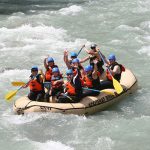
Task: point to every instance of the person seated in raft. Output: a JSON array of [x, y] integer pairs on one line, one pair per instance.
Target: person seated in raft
[[69, 61], [115, 69], [91, 80], [36, 85], [56, 83], [94, 55], [76, 66], [73, 89]]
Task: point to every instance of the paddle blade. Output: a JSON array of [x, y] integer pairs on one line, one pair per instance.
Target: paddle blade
[[108, 92], [17, 83], [10, 95], [117, 86]]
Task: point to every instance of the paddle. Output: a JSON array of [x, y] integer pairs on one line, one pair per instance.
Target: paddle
[[18, 83], [11, 94], [80, 50], [105, 91], [66, 96], [116, 84]]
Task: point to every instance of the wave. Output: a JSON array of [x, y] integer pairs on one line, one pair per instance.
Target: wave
[[72, 10], [144, 50]]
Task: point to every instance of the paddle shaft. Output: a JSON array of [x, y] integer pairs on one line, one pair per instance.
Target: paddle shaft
[[80, 50], [105, 63], [91, 89]]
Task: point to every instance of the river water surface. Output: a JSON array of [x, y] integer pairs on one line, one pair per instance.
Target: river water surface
[[32, 29]]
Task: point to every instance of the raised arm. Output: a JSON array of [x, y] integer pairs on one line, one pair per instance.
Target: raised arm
[[94, 74], [84, 59], [45, 63], [66, 59]]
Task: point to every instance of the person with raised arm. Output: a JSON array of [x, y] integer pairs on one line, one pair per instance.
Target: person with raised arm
[[94, 55]]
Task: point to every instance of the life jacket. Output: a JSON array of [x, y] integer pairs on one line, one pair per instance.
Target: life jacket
[[70, 89], [58, 85], [92, 83], [116, 76], [35, 84], [77, 70], [82, 82], [100, 64], [48, 73]]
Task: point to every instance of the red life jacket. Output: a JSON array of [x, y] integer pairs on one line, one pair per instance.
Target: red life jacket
[[48, 73], [82, 82], [70, 89], [35, 84], [58, 85], [89, 81], [116, 76]]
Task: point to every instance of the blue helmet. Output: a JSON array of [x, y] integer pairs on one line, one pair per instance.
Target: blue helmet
[[112, 57], [55, 70], [35, 68], [73, 54], [88, 68], [50, 59], [69, 71], [76, 60], [93, 46]]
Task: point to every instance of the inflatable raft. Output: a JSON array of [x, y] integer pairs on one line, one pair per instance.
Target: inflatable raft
[[86, 106]]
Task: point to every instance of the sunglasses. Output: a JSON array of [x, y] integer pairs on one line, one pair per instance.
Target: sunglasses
[[69, 74], [73, 57], [33, 70]]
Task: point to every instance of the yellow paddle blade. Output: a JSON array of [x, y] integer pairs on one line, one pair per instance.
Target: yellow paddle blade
[[18, 83], [108, 92], [9, 95], [117, 86]]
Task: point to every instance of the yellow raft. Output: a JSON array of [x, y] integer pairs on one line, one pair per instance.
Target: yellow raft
[[86, 106]]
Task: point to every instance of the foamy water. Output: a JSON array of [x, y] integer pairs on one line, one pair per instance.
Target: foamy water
[[32, 31]]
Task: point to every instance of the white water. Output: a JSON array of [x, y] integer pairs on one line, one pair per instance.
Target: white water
[[31, 31]]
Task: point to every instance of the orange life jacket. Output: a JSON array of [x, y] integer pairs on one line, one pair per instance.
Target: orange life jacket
[[70, 89], [48, 74], [82, 82], [116, 76], [35, 84], [58, 85], [88, 80]]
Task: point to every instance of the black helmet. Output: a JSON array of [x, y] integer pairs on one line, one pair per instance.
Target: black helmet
[[93, 46]]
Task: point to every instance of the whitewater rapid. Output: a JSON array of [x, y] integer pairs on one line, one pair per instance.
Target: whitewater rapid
[[32, 30]]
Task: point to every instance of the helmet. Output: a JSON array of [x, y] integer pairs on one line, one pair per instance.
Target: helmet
[[73, 54], [88, 68], [69, 71], [34, 68], [93, 46], [112, 57], [50, 59], [55, 70], [76, 60]]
